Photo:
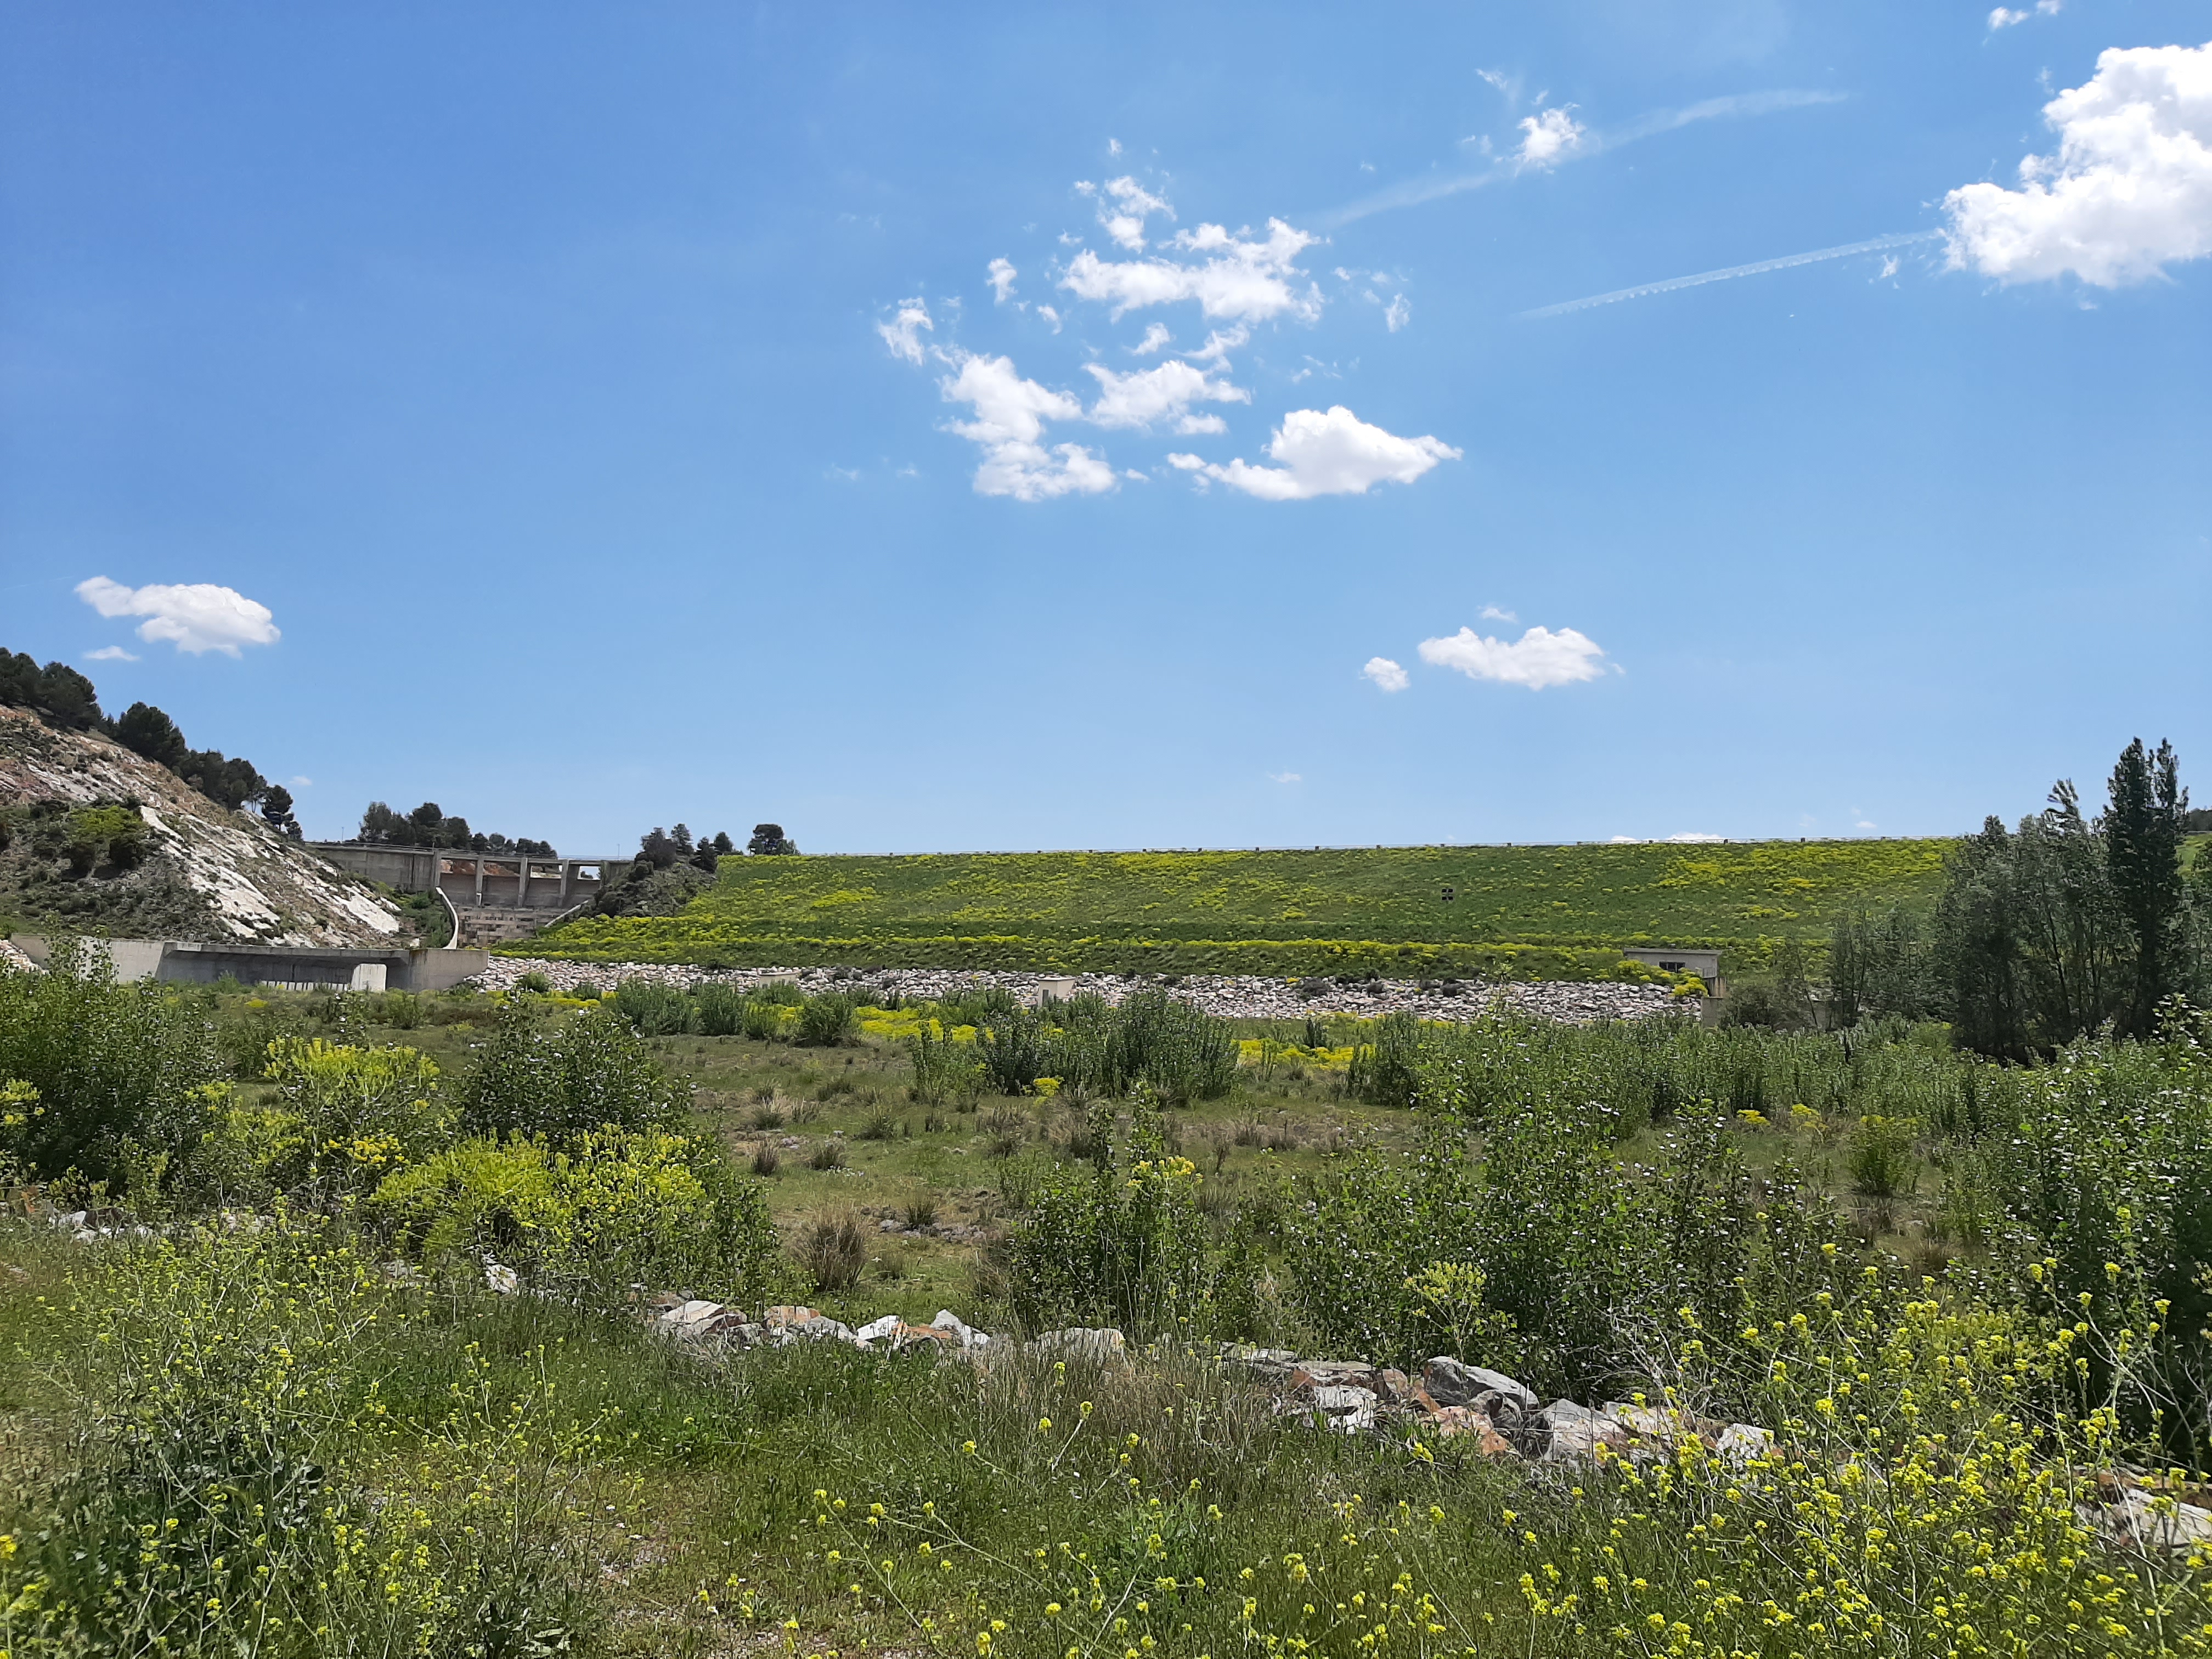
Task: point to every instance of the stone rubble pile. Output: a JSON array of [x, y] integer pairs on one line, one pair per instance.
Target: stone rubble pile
[[1499, 1417], [1226, 996]]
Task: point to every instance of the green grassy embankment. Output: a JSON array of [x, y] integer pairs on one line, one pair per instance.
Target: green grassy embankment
[[1527, 912]]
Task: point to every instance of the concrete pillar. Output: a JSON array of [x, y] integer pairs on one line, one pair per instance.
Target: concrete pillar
[[522, 882], [480, 864], [568, 879]]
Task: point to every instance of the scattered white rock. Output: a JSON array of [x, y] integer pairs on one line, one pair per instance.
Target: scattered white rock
[[502, 1280], [1230, 996]]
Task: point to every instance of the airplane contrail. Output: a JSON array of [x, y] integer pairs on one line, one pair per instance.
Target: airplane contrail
[[1904, 239]]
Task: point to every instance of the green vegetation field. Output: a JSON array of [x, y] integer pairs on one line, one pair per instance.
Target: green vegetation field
[[1549, 912]]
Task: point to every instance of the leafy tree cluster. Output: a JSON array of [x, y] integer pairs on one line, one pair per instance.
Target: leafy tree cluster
[[68, 699], [429, 825], [664, 850], [2048, 930]]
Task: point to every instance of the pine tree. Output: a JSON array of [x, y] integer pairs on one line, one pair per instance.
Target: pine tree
[[380, 824], [145, 730], [277, 808]]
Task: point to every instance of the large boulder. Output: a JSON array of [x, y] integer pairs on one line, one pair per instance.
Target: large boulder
[[1451, 1381], [1572, 1433]]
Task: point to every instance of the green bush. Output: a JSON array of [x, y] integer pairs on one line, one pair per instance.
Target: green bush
[[587, 1071], [1384, 1070], [337, 1120], [591, 1220], [123, 1072], [720, 1009], [1585, 1264], [761, 1018], [944, 1070], [1881, 1156], [656, 1010], [1124, 1243], [118, 831], [828, 1020], [1151, 1038]]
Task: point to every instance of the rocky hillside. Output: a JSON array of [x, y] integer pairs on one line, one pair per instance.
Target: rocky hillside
[[92, 837]]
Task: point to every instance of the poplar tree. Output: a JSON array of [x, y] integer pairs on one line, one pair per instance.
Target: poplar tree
[[2142, 855]]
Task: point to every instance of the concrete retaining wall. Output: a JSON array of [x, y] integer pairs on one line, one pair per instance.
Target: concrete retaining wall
[[286, 967]]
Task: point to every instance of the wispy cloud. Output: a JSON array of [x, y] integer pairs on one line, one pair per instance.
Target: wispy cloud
[[2004, 17], [1757, 268], [1001, 277], [1549, 137], [1285, 777], [110, 654], [902, 334], [1235, 279], [1413, 192]]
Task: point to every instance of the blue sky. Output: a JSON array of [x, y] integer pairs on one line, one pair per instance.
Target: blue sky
[[535, 379]]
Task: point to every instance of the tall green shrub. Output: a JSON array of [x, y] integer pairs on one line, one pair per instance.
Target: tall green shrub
[[1123, 1243], [122, 1071], [587, 1071]]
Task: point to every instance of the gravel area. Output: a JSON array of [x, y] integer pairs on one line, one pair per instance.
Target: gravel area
[[1227, 995]]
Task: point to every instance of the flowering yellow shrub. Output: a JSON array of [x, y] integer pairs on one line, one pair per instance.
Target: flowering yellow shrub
[[589, 1216]]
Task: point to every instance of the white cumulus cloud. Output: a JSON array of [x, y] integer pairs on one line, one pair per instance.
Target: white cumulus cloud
[[1234, 277], [1695, 836], [902, 333], [1157, 338], [195, 616], [1538, 659], [1335, 454], [1163, 391], [1387, 675], [1001, 273], [1548, 137], [1011, 413], [2130, 188]]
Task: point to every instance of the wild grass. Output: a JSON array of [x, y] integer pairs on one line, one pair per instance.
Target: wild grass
[[1542, 911]]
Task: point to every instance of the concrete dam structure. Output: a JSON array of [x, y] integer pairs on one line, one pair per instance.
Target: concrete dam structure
[[494, 896]]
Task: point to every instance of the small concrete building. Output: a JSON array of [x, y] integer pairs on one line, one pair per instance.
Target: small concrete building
[[1679, 959]]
